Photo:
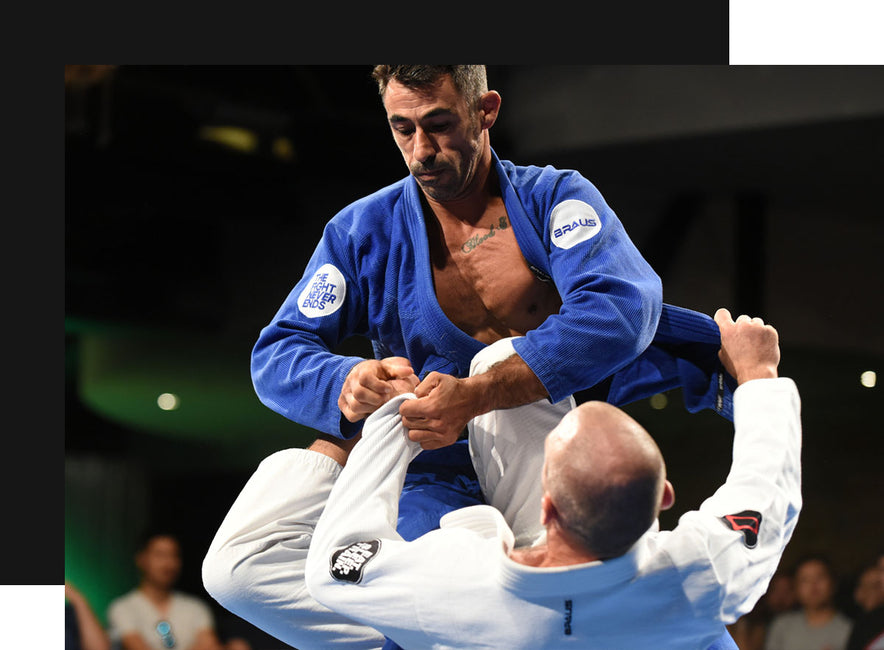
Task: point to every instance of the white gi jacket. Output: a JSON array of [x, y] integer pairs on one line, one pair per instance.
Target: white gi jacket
[[456, 585]]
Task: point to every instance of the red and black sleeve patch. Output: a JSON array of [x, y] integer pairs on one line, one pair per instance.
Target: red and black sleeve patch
[[348, 563], [747, 522]]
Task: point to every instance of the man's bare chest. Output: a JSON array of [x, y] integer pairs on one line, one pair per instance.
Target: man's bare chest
[[482, 281]]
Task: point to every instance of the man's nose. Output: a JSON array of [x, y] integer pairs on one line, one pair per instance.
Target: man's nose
[[424, 146]]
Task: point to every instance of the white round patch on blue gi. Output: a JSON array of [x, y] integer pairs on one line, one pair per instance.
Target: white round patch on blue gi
[[324, 294], [572, 222]]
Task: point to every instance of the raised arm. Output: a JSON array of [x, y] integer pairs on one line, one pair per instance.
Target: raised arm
[[93, 636], [741, 531]]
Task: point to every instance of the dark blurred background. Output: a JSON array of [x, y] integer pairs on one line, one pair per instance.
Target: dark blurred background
[[195, 194]]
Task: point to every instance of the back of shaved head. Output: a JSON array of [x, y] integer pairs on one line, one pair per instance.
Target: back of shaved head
[[605, 476]]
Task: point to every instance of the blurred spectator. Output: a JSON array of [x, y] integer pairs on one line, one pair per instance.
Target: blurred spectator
[[156, 616], [780, 597], [750, 631], [868, 631], [868, 592], [82, 629], [817, 624]]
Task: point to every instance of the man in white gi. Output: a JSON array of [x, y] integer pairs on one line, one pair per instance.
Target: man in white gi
[[600, 574]]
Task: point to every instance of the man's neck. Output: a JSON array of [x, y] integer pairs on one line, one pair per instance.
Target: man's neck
[[155, 594], [555, 552], [470, 207]]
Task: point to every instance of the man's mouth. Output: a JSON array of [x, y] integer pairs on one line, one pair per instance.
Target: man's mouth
[[430, 173]]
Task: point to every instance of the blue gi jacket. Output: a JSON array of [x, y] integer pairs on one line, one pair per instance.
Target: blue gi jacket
[[370, 275]]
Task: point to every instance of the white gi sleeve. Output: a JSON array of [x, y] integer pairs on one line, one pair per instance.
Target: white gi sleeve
[[727, 551], [357, 563]]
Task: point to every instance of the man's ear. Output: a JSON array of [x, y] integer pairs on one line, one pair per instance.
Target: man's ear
[[489, 107], [548, 510], [667, 500]]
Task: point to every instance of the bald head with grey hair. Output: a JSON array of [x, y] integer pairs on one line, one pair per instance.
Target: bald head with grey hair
[[604, 480]]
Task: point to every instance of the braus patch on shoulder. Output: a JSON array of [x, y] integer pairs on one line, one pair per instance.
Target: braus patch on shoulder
[[747, 522], [348, 563]]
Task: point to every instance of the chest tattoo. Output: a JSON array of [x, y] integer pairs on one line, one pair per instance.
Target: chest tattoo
[[477, 240]]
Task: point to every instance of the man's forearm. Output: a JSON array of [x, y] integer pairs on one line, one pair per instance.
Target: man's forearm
[[507, 384], [92, 634], [499, 379]]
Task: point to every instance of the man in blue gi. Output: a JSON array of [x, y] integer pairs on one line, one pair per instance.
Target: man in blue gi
[[466, 250]]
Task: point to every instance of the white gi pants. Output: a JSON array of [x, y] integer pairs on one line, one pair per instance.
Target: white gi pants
[[506, 447], [255, 564]]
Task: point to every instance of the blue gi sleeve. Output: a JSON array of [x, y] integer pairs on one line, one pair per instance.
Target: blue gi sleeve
[[294, 369], [611, 297]]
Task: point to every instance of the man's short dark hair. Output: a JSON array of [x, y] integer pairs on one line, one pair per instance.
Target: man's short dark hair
[[470, 80], [148, 535], [821, 558]]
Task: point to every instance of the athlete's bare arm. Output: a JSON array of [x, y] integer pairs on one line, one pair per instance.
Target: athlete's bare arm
[[447, 404]]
